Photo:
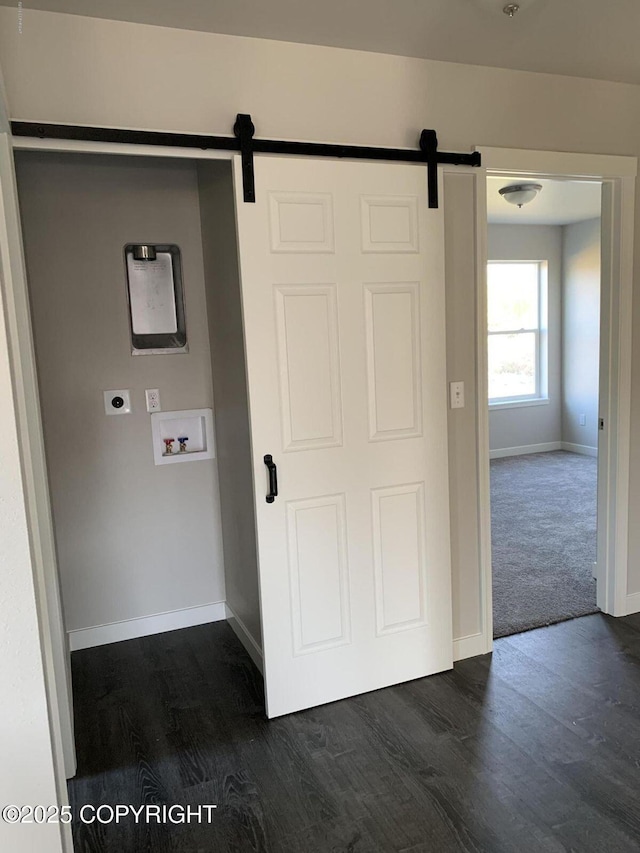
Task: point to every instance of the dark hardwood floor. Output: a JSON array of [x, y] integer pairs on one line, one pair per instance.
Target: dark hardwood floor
[[535, 748]]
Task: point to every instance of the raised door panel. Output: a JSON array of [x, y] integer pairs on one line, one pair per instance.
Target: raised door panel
[[301, 222], [318, 570], [389, 224], [392, 318], [309, 360], [399, 557]]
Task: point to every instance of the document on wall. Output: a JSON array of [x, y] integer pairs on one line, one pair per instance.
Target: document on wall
[[152, 296]]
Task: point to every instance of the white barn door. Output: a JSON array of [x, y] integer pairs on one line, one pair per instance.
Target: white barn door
[[343, 300]]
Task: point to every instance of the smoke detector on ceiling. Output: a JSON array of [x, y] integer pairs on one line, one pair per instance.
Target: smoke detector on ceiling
[[510, 9]]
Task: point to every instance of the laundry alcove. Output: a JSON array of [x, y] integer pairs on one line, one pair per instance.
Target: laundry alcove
[[140, 547], [315, 333]]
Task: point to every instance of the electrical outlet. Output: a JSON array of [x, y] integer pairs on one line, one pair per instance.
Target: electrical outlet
[[117, 402], [153, 399], [456, 395]]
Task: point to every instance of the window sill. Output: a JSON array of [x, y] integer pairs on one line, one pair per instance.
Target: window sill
[[519, 404]]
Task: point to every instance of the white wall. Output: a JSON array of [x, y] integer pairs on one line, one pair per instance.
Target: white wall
[[66, 68], [133, 539], [580, 331], [540, 424]]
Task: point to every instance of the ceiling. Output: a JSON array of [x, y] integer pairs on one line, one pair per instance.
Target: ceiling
[[585, 38], [557, 203]]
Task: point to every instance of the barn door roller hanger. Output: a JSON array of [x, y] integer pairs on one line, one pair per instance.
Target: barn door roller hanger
[[428, 153], [245, 142]]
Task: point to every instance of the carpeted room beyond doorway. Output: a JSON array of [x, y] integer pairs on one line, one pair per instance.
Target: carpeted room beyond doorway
[[543, 534]]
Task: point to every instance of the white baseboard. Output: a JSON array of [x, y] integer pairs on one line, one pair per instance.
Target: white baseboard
[[501, 452], [469, 647], [100, 635], [240, 630], [129, 629], [584, 449], [633, 603]]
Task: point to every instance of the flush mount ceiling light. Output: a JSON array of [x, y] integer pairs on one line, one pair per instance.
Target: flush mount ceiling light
[[492, 8], [520, 193]]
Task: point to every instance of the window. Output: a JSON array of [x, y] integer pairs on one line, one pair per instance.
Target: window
[[516, 295]]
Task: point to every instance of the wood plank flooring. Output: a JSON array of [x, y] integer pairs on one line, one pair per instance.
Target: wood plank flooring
[[533, 748]]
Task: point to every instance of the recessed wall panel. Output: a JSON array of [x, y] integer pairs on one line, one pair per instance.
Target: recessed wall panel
[[392, 317], [389, 224], [318, 573], [301, 222], [399, 557], [310, 396]]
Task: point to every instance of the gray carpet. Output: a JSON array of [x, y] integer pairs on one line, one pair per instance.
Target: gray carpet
[[543, 519]]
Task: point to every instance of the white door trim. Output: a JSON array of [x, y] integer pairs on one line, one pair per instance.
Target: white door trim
[[81, 146], [31, 499], [56, 650], [482, 412], [616, 407], [556, 164], [619, 173]]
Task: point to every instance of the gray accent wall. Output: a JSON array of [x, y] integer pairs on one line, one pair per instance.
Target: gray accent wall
[[462, 423], [226, 334], [580, 332], [541, 423], [133, 539]]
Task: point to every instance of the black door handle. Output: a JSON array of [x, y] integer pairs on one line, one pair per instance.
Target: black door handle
[[273, 478]]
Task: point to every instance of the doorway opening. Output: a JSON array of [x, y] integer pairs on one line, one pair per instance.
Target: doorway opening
[[616, 176], [543, 339], [139, 541]]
